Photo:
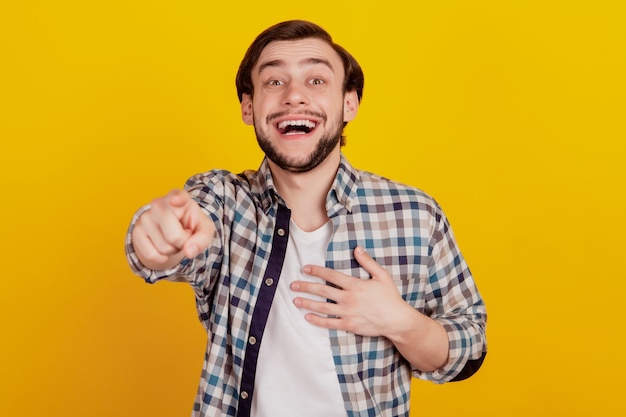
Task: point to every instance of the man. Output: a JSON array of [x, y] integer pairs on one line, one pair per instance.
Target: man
[[323, 288]]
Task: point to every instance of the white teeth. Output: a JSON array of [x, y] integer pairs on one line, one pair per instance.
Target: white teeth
[[302, 122]]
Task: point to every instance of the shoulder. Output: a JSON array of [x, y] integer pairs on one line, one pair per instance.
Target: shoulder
[[212, 179], [376, 189], [222, 185]]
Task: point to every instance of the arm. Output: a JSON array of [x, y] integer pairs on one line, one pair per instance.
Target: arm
[[446, 345]]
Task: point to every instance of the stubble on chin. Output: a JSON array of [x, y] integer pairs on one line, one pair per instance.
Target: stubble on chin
[[324, 147]]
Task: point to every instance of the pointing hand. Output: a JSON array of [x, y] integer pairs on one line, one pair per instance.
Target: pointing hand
[[172, 228]]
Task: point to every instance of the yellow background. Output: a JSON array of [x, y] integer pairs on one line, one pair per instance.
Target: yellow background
[[510, 113]]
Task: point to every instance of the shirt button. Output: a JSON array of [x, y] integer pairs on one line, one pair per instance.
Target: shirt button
[[244, 395], [269, 281], [281, 232], [252, 340]]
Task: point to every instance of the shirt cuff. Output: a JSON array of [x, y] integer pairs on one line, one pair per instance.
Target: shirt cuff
[[466, 343]]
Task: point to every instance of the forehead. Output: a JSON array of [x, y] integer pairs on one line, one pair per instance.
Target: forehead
[[301, 51]]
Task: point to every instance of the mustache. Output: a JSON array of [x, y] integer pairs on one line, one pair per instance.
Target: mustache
[[276, 115]]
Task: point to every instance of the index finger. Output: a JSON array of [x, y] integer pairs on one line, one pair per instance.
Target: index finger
[[177, 198]]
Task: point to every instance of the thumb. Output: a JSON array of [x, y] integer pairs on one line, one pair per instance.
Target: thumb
[[191, 249], [368, 263], [202, 235]]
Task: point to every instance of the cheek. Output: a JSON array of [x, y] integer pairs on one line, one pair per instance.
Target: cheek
[[261, 105], [332, 103]]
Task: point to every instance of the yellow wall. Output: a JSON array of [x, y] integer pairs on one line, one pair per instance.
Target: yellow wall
[[510, 113]]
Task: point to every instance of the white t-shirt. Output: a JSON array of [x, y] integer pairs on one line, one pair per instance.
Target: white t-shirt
[[295, 371]]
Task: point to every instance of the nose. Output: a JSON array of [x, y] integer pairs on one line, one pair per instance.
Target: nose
[[295, 95]]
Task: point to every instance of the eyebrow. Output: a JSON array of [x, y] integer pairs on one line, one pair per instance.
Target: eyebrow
[[304, 62]]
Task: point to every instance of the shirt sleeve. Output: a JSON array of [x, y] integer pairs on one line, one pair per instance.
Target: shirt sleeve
[[196, 271], [454, 301]]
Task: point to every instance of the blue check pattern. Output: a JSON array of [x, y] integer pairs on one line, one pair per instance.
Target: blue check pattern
[[402, 228]]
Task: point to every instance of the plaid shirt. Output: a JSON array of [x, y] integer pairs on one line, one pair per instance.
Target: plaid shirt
[[234, 282]]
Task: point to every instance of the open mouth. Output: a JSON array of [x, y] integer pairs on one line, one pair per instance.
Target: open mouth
[[296, 127]]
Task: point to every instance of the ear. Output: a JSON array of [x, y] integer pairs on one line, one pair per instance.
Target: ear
[[246, 109], [350, 105]]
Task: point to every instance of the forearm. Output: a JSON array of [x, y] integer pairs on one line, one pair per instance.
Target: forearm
[[420, 340]]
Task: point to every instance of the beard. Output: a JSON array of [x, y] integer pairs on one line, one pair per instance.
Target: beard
[[324, 147]]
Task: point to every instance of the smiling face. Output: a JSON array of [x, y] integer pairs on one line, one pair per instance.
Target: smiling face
[[299, 107]]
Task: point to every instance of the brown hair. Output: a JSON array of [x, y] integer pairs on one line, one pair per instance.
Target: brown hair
[[289, 31]]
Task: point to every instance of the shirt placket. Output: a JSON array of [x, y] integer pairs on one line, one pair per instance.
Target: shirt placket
[[262, 309]]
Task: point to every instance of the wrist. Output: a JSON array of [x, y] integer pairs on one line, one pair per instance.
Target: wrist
[[407, 324]]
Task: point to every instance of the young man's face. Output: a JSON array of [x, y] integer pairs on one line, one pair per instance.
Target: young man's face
[[298, 107]]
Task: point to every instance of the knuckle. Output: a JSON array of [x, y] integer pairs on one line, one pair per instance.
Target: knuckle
[[350, 325], [177, 240], [152, 254], [324, 307]]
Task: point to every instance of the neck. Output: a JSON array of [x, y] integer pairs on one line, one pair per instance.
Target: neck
[[305, 192]]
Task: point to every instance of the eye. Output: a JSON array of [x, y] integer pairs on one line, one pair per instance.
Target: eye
[[317, 81], [275, 82]]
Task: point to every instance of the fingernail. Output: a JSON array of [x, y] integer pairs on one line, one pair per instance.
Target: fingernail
[[360, 250], [306, 269], [295, 286]]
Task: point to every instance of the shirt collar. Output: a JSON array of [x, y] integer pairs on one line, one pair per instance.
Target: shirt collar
[[262, 186], [343, 191]]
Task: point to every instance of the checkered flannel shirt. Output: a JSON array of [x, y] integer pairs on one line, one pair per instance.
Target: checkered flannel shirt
[[234, 281]]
